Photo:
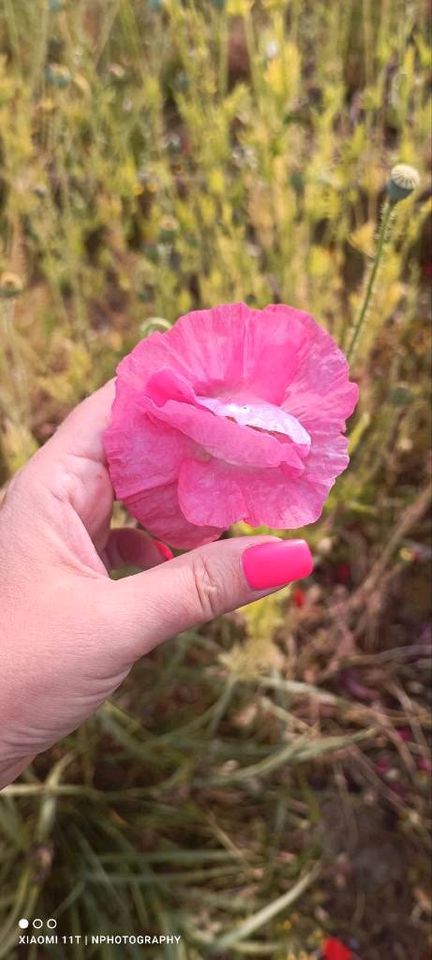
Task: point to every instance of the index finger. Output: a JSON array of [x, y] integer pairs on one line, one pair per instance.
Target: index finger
[[81, 431]]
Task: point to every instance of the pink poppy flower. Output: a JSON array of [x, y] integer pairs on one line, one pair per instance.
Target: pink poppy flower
[[233, 414]]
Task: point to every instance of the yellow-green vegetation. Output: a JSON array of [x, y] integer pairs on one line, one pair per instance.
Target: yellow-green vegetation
[[261, 783]]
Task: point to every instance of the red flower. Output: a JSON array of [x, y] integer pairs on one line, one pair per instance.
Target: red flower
[[298, 597], [405, 734], [343, 573], [336, 950]]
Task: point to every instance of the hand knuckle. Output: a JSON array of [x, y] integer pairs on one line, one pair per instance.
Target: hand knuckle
[[207, 589]]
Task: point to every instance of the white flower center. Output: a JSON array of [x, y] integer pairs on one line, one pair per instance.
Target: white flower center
[[261, 415]]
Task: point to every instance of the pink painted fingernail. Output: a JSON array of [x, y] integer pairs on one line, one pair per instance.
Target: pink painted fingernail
[[165, 551], [274, 564]]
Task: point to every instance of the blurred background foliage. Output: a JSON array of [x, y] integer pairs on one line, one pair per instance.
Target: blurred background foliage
[[262, 783]]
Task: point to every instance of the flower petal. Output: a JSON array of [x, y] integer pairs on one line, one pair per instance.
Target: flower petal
[[141, 453], [226, 440], [262, 415], [158, 510], [234, 346], [320, 391], [213, 489], [224, 494]]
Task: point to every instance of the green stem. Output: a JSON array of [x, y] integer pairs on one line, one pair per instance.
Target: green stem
[[382, 236]]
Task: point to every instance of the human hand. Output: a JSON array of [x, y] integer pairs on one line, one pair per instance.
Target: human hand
[[69, 633]]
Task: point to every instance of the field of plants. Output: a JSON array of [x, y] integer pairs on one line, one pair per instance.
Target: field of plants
[[261, 786]]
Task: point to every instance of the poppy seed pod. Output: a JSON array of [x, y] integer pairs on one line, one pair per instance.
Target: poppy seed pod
[[403, 180], [11, 285]]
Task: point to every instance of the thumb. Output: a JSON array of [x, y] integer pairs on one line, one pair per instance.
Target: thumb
[[189, 590]]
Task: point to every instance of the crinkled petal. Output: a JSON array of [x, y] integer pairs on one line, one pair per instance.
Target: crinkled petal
[[229, 441], [166, 385], [224, 494], [141, 453], [234, 346], [320, 391], [171, 399], [158, 510], [148, 357], [328, 458], [284, 503], [213, 489]]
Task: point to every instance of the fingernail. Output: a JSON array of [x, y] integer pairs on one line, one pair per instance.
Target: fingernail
[[274, 564], [165, 551]]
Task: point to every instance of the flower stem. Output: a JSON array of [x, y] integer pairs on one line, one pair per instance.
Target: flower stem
[[382, 237]]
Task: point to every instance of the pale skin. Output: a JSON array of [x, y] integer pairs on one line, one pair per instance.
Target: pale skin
[[69, 633]]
